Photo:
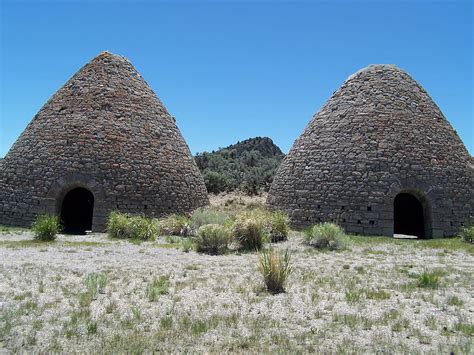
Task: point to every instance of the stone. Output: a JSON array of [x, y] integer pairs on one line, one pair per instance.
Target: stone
[[369, 156], [106, 131]]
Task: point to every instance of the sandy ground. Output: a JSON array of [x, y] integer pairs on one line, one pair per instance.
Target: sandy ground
[[360, 300]]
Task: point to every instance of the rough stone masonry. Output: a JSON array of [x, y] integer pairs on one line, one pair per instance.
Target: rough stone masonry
[[106, 131], [379, 135]]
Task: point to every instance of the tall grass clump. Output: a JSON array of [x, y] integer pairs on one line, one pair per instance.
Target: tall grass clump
[[46, 227], [157, 287], [467, 234], [275, 269], [249, 232], [206, 215], [428, 279], [124, 226], [95, 284], [213, 239], [278, 226], [326, 236], [176, 224]]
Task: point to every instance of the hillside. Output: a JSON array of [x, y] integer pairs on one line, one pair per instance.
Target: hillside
[[248, 166]]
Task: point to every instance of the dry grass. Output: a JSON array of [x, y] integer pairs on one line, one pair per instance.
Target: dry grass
[[145, 297]]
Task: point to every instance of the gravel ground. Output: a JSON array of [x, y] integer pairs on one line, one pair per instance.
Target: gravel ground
[[365, 299]]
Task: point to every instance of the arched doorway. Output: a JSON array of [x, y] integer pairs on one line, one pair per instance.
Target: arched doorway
[[76, 211], [408, 215]]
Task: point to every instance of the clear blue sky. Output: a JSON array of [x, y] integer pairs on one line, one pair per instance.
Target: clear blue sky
[[232, 70]]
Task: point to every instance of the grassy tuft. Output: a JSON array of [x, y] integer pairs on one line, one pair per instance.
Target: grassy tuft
[[275, 269], [428, 279], [124, 226], [45, 227], [467, 234], [95, 284], [326, 236], [175, 224], [249, 233], [212, 239], [157, 287]]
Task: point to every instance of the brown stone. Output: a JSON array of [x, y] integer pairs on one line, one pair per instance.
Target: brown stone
[[378, 136], [105, 131]]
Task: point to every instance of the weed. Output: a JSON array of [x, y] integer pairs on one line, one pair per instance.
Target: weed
[[124, 226], [45, 227], [430, 322], [175, 224], [465, 328], [278, 226], [377, 295], [212, 239], [95, 283], [92, 328], [137, 314], [157, 287], [166, 322], [326, 236], [401, 324], [85, 299], [455, 301], [428, 279], [110, 307], [249, 233], [353, 295], [275, 269], [467, 234], [187, 245]]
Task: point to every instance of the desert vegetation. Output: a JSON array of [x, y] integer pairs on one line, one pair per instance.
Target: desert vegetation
[[46, 227], [199, 289], [248, 166]]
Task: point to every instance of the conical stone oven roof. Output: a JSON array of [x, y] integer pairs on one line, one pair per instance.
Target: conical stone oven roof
[[378, 135], [107, 131]]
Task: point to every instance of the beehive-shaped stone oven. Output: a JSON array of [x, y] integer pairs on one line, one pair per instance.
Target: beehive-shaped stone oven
[[103, 142], [379, 158]]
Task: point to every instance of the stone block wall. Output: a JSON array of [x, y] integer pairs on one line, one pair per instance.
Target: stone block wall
[[379, 134], [107, 131]]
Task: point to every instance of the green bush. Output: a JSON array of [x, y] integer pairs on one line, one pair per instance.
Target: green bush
[[187, 244], [45, 227], [467, 234], [124, 226], [175, 224], [249, 232], [278, 226], [275, 269], [207, 215], [212, 239], [326, 236]]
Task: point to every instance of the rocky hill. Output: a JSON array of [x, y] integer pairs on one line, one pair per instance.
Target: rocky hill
[[248, 166]]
